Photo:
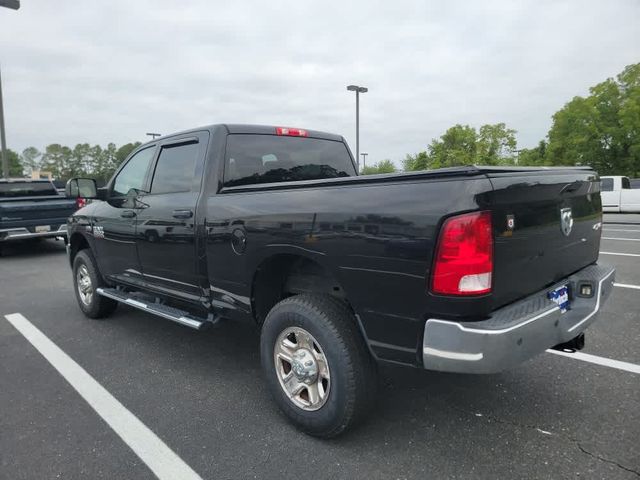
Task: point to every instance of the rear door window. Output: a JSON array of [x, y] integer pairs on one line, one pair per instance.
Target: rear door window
[[255, 159], [175, 168]]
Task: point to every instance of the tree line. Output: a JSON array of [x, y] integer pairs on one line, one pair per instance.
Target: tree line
[[64, 162], [601, 130]]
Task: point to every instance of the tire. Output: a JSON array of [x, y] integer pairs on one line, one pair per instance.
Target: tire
[[349, 382], [93, 305]]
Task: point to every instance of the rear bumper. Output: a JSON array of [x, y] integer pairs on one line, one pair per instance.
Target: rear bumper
[[516, 332], [22, 233]]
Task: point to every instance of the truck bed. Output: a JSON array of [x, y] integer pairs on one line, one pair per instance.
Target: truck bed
[[21, 215], [377, 235]]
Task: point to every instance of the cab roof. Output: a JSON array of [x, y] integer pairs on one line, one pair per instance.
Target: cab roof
[[249, 129]]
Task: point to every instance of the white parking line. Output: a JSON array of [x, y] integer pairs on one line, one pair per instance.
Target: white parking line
[[626, 285], [162, 461], [605, 362], [622, 239], [621, 254]]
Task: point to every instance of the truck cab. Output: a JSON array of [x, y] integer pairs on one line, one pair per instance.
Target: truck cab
[[618, 196]]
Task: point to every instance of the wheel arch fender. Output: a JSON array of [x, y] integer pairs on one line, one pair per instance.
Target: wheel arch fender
[[78, 241], [272, 267]]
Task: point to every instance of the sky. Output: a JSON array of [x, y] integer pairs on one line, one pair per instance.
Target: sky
[[110, 71]]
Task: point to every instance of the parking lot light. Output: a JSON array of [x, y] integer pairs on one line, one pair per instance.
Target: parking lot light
[[358, 89]]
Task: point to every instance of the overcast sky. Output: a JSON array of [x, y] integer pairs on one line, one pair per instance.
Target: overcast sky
[[89, 71]]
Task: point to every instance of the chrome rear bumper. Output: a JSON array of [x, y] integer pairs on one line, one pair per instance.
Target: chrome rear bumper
[[516, 332], [22, 233]]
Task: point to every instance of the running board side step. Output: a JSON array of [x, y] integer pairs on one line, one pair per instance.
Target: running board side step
[[170, 313]]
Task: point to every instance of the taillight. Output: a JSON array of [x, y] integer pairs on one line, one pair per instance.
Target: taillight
[[80, 202], [291, 132], [464, 256]]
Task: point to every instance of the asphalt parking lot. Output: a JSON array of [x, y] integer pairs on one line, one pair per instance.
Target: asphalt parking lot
[[203, 397]]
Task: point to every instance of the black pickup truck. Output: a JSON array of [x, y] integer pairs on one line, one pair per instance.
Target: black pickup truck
[[468, 269], [32, 209]]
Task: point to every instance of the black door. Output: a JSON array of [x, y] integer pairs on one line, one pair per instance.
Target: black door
[[166, 233], [115, 219]]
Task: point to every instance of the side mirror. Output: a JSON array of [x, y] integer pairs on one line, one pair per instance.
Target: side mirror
[[81, 188]]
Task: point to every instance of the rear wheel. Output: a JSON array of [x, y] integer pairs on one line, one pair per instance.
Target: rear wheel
[[86, 280], [317, 365]]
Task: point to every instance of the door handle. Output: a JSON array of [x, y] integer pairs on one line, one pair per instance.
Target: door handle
[[182, 214], [127, 214]]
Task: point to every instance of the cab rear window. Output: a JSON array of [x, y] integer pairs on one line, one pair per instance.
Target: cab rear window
[[26, 189], [255, 159]]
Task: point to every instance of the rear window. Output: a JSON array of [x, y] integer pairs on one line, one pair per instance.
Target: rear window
[[606, 184], [253, 159], [26, 189], [626, 184]]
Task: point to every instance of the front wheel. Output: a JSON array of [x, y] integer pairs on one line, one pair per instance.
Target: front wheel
[[86, 280], [316, 363]]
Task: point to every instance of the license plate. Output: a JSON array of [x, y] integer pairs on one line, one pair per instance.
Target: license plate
[[560, 296], [43, 228]]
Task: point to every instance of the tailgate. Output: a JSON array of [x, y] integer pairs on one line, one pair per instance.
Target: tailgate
[[547, 225], [25, 212]]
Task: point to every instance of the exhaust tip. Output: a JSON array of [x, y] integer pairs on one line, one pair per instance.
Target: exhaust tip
[[573, 345]]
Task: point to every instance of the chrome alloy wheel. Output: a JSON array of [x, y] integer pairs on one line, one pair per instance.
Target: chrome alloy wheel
[[84, 285], [302, 368]]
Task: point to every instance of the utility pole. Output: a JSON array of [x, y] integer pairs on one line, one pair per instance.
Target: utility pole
[[3, 139], [358, 90]]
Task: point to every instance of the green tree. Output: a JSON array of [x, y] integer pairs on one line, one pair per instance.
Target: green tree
[[496, 145], [106, 162], [57, 160], [419, 161], [123, 152], [533, 156], [457, 146], [15, 165], [31, 158], [80, 161], [384, 166], [629, 116], [601, 130], [463, 145]]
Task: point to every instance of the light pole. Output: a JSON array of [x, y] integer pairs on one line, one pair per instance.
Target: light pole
[[154, 135], [364, 160], [358, 90], [13, 5]]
